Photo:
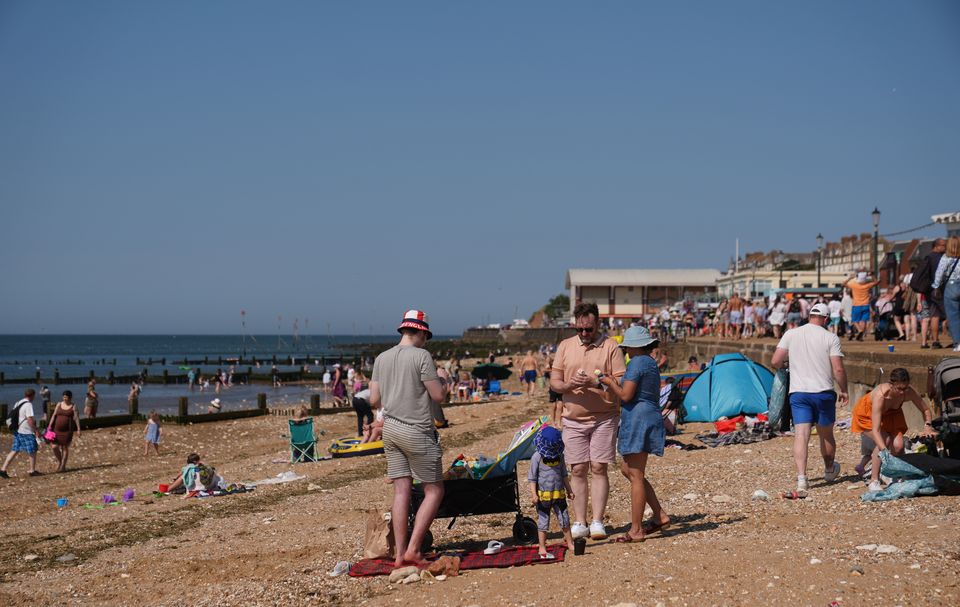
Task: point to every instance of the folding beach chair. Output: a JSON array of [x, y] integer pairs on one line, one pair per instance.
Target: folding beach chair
[[303, 444]]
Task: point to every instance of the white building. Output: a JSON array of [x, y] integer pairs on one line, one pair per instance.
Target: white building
[[633, 293]]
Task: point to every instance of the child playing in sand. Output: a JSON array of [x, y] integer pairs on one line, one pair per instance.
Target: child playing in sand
[[550, 486], [152, 434]]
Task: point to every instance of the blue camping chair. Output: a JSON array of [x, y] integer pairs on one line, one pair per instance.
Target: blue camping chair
[[303, 443], [493, 388]]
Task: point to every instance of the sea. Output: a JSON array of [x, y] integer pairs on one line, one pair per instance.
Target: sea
[[75, 356]]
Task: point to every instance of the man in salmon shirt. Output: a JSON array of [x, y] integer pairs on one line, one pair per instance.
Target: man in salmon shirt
[[591, 414], [860, 289]]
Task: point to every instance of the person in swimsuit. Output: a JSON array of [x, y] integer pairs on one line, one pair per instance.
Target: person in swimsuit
[[885, 403], [528, 370], [92, 401]]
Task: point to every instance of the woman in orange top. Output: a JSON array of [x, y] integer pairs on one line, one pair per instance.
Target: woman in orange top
[[885, 403]]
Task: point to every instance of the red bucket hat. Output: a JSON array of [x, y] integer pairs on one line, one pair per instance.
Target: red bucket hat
[[416, 319]]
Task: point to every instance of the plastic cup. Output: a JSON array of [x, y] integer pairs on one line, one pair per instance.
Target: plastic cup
[[62, 502], [579, 546], [163, 488], [890, 348]]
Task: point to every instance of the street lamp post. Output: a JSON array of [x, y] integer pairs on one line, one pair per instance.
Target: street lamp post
[[876, 240], [819, 258]]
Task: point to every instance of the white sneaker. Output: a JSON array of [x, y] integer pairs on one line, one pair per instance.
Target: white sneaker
[[832, 474], [597, 531], [578, 530], [875, 486], [802, 483]]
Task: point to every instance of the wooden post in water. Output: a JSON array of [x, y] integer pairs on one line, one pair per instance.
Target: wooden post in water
[[163, 361], [166, 377], [56, 377], [262, 401], [314, 404], [1, 378], [111, 378], [92, 374], [37, 374], [134, 406], [183, 407]]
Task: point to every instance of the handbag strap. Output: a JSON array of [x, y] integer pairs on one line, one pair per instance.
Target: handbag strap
[[950, 273]]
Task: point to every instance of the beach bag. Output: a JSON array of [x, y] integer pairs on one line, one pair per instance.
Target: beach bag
[[378, 541], [49, 436]]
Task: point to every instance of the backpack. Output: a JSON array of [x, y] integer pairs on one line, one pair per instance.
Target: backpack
[[922, 279], [13, 419], [795, 305]]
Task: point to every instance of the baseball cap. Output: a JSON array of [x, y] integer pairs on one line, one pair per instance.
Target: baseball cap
[[415, 319], [820, 309]]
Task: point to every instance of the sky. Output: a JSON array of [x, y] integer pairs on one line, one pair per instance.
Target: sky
[[165, 165]]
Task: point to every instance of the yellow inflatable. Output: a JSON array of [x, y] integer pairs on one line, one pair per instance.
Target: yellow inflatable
[[352, 447]]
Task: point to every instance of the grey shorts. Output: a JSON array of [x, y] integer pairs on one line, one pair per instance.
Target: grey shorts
[[559, 508], [866, 444], [412, 452]]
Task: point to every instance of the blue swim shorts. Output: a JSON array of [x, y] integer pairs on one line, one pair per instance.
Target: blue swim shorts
[[529, 376], [814, 407], [861, 313], [25, 443]]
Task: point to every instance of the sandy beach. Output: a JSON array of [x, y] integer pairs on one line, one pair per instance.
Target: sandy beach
[[275, 546]]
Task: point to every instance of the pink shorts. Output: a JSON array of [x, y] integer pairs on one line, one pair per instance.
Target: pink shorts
[[590, 441]]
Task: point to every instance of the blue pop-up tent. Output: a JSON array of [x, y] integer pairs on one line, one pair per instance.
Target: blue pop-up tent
[[731, 385]]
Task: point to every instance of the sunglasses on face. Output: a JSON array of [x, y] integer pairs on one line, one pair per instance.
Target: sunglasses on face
[[584, 329]]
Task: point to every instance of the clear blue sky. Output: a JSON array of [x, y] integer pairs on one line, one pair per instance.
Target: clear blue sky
[[164, 165]]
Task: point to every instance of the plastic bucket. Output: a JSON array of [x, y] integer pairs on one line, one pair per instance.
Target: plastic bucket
[[163, 488]]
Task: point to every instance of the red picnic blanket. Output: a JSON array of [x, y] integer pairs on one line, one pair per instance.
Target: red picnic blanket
[[507, 557]]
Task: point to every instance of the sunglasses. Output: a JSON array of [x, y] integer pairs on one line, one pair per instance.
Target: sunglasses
[[584, 329]]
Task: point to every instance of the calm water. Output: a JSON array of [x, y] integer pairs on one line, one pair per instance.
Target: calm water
[[21, 356]]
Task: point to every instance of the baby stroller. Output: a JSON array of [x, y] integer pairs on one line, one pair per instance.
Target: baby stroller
[[946, 395], [496, 491]]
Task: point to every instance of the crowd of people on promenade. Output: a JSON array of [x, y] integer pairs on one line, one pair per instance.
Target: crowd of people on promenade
[[923, 303]]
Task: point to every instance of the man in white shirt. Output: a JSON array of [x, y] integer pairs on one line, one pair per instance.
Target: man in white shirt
[[25, 434], [816, 360]]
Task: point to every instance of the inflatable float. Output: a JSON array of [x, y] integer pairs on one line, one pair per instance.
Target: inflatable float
[[352, 447]]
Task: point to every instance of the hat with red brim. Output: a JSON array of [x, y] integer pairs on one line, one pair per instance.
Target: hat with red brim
[[416, 319]]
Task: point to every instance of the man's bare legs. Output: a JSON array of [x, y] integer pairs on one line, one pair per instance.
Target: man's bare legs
[[409, 552], [828, 446]]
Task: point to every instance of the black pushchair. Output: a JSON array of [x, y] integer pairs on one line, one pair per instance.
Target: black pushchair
[[469, 497], [946, 395]]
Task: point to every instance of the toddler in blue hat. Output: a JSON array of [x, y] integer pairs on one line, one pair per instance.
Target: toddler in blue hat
[[550, 486]]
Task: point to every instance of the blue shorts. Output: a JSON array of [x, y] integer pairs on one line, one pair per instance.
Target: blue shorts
[[529, 376], [814, 407], [834, 321], [861, 314], [24, 442]]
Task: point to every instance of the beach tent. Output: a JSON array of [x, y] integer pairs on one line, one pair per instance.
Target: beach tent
[[731, 385]]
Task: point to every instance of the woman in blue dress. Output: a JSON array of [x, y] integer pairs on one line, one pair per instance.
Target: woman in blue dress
[[641, 430]]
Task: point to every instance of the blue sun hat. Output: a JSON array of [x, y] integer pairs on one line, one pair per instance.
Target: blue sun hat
[[549, 443], [637, 337]]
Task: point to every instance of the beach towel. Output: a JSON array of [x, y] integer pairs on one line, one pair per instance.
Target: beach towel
[[229, 490], [507, 557], [756, 434]]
